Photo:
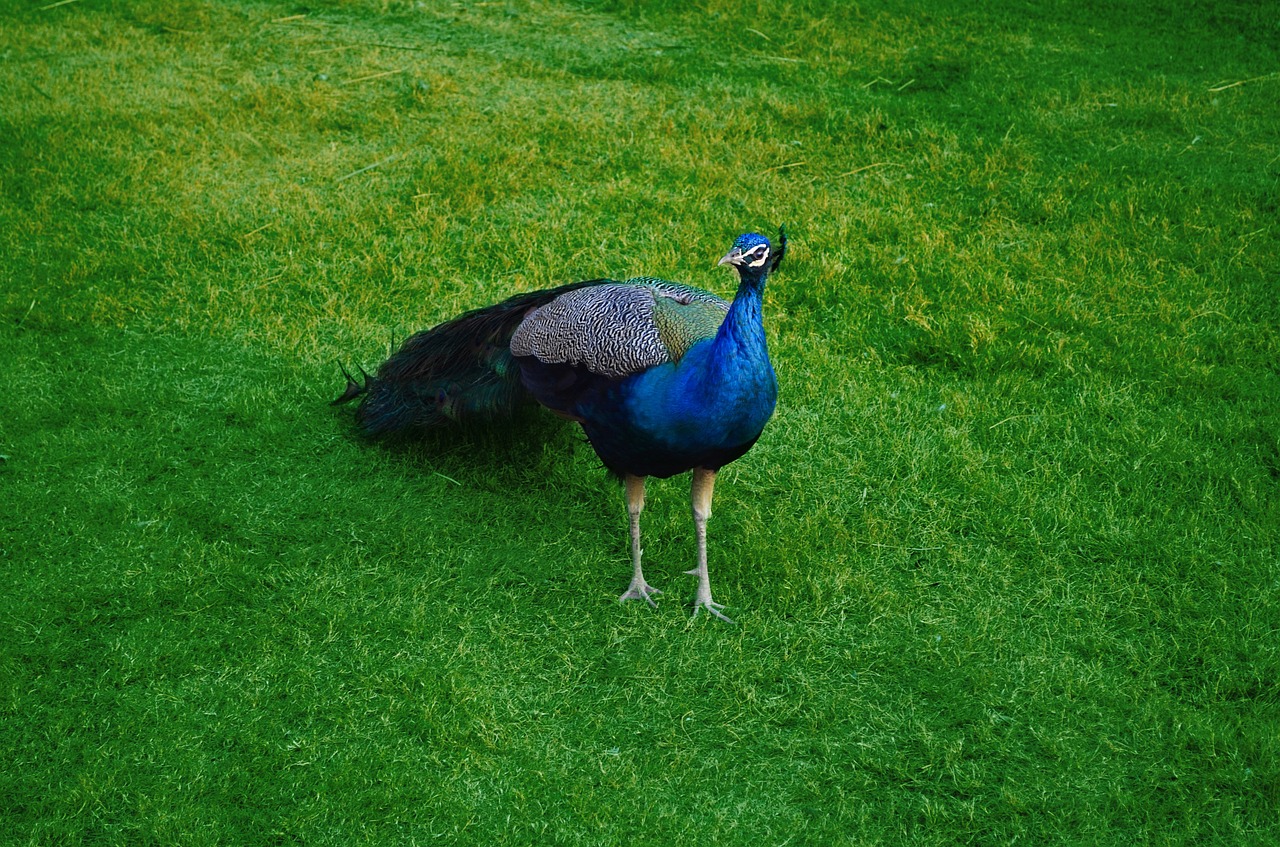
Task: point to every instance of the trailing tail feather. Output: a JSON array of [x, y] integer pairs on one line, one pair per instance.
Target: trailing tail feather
[[354, 389], [460, 371]]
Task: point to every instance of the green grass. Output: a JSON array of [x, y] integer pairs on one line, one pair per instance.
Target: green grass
[[1005, 564]]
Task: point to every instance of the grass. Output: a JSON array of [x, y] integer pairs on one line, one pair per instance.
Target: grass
[[1005, 563]]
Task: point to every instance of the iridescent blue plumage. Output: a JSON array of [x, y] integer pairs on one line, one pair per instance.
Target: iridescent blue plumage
[[662, 377], [702, 410]]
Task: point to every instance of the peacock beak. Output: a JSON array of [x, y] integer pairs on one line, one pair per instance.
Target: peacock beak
[[733, 257]]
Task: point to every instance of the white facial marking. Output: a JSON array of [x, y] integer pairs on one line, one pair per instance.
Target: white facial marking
[[763, 251]]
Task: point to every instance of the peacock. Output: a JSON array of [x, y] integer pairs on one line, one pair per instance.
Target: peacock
[[662, 377]]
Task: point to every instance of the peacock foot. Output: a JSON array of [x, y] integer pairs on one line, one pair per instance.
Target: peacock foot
[[704, 601], [640, 590], [713, 608]]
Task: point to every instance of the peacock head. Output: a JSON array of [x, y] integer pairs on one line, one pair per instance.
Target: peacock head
[[754, 256], [750, 253]]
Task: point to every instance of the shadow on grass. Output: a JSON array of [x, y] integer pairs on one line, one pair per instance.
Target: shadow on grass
[[507, 454]]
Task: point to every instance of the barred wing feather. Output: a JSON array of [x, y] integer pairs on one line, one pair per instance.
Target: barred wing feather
[[619, 328]]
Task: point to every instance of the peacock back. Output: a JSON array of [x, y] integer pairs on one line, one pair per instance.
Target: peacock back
[[615, 329]]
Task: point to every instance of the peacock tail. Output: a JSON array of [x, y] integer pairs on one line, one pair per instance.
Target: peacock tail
[[460, 371]]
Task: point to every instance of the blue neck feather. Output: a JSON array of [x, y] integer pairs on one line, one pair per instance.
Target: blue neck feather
[[739, 346]]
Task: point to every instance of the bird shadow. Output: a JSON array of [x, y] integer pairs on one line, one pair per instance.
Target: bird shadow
[[530, 450], [521, 469]]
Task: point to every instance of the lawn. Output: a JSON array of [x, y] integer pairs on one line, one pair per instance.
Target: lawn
[[1005, 565]]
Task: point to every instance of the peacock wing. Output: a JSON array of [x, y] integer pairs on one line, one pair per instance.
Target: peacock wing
[[684, 315], [619, 328]]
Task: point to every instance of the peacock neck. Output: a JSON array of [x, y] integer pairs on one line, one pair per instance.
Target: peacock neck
[[741, 335]]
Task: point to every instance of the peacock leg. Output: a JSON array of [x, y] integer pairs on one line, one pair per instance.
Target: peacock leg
[[639, 589], [704, 482]]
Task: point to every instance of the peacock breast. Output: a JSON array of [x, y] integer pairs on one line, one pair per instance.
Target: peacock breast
[[689, 405]]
